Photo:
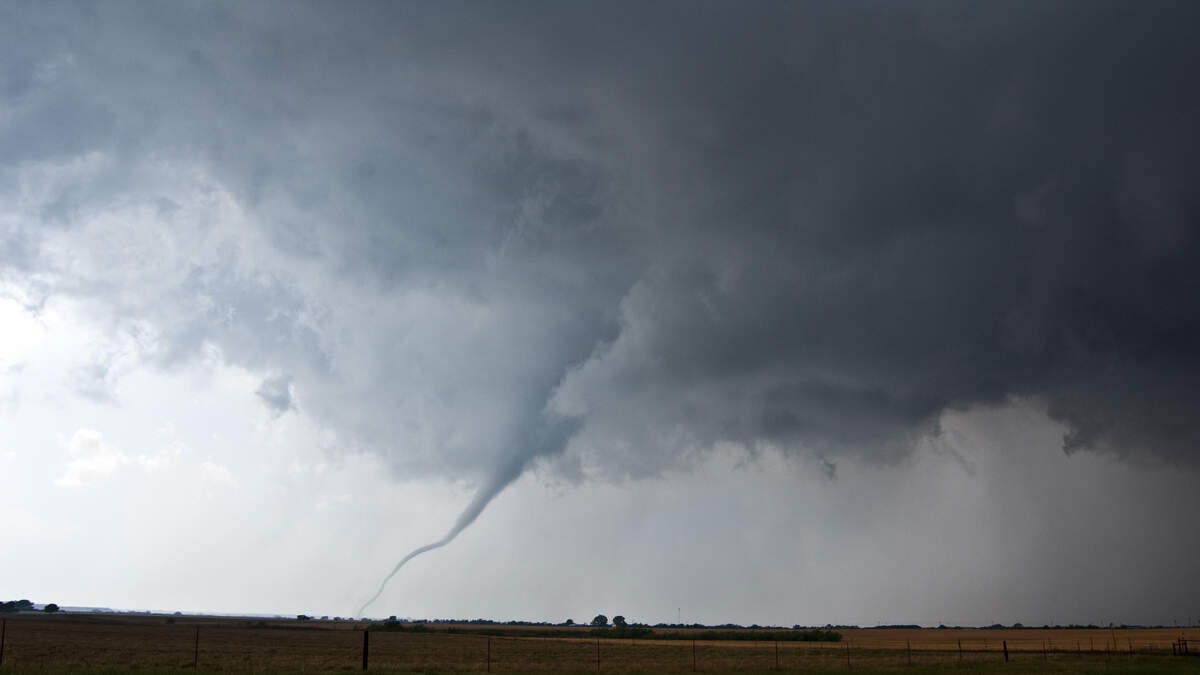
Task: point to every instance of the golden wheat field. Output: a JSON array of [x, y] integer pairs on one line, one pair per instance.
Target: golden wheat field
[[89, 642]]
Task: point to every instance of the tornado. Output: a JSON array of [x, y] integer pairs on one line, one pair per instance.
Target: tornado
[[550, 437]]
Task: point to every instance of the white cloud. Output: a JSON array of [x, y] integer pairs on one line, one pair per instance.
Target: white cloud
[[21, 332], [162, 457], [92, 459], [333, 501], [217, 473]]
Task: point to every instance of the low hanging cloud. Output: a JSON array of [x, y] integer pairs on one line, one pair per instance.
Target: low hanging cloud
[[456, 227], [275, 392]]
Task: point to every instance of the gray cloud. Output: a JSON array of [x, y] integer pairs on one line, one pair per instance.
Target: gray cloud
[[817, 227], [850, 259], [276, 393]]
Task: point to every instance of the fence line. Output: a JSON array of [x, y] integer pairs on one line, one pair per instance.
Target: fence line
[[79, 642]]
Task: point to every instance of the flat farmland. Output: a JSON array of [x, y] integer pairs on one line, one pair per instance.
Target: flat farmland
[[40, 643], [1023, 640]]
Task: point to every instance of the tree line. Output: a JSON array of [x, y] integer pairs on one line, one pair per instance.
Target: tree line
[[13, 606]]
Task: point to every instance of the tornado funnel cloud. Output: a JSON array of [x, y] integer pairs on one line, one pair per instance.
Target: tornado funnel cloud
[[549, 439], [486, 493], [416, 552]]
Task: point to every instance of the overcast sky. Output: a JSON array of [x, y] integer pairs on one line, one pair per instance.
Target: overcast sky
[[795, 312]]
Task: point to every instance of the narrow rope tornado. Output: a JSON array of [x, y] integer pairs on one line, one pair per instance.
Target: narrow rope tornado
[[488, 491], [549, 438]]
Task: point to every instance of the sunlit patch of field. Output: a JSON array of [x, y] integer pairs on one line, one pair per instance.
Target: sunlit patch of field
[[36, 643]]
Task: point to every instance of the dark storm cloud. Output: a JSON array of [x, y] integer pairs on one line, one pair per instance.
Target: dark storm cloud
[[816, 226], [882, 215], [276, 393]]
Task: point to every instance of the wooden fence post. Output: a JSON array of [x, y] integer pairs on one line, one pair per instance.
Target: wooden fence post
[[597, 655], [489, 659], [1044, 657], [777, 654], [196, 650], [366, 647], [847, 654], [960, 650], [1004, 643], [3, 630], [908, 646], [693, 656]]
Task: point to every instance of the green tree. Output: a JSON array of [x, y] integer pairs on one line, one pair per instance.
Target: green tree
[[619, 621], [16, 606], [600, 620], [50, 608]]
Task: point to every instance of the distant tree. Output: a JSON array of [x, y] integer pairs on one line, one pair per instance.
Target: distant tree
[[619, 621], [16, 606], [303, 617], [50, 608], [600, 620], [569, 622]]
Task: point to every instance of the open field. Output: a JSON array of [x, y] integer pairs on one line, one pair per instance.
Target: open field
[[1146, 640], [40, 643]]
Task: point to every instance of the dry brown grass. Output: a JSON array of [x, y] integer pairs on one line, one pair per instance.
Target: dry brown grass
[[1024, 640], [91, 641]]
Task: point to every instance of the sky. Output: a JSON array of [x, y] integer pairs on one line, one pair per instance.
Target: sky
[[771, 312]]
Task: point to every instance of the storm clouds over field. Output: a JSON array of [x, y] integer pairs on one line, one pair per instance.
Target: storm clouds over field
[[780, 312]]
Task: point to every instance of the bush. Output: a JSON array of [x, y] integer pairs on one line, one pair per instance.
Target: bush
[[400, 626]]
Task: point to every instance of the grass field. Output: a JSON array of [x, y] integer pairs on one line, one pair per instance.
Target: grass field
[[124, 643]]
